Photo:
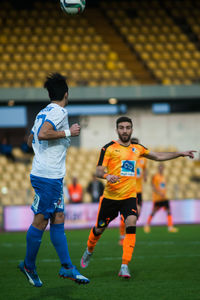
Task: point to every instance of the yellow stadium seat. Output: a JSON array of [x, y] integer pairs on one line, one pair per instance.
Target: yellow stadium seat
[[9, 75], [184, 64], [5, 57], [180, 46], [159, 74], [27, 57], [190, 46], [163, 65], [194, 64], [173, 64], [35, 66]]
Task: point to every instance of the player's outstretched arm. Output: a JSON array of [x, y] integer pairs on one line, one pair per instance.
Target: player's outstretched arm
[[47, 132], [162, 156]]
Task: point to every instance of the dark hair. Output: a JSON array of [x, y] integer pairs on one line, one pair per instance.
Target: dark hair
[[56, 86], [123, 119], [134, 140]]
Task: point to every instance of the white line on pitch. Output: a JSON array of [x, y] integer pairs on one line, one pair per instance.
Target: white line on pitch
[[109, 258]]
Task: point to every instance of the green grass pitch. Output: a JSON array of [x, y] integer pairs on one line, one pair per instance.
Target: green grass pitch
[[165, 266]]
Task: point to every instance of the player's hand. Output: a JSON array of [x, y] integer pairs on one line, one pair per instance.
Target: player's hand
[[75, 129], [190, 153], [113, 178]]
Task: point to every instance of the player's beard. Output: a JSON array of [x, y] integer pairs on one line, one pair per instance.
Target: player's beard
[[125, 138]]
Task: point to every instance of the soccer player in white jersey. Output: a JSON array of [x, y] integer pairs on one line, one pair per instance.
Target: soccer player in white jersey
[[50, 139]]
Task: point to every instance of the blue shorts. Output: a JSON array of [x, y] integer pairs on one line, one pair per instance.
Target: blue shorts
[[48, 196]]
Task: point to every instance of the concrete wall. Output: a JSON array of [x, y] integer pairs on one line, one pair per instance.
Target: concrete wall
[[179, 130]]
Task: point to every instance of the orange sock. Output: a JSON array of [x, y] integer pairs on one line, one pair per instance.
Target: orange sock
[[169, 220], [128, 247], [122, 228], [149, 220], [92, 240]]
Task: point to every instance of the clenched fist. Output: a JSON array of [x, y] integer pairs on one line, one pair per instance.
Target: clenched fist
[[75, 129]]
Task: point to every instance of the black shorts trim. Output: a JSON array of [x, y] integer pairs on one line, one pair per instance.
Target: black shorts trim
[[139, 199], [160, 204], [109, 210]]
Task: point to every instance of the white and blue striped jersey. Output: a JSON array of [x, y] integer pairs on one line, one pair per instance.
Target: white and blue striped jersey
[[50, 155]]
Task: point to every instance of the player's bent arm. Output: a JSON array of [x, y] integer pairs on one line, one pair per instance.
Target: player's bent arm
[[162, 156], [100, 172], [47, 132], [30, 139]]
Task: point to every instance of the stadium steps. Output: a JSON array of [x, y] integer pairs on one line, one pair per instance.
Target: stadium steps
[[117, 44], [184, 26]]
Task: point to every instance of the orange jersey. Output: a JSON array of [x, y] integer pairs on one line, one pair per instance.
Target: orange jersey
[[75, 192], [159, 183], [121, 161], [141, 166]]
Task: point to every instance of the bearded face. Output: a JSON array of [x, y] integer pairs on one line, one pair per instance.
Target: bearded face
[[124, 131]]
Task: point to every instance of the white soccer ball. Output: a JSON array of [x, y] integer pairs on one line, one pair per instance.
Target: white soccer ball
[[72, 6]]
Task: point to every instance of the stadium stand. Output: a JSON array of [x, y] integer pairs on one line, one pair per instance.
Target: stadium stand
[[155, 35], [28, 49], [140, 42]]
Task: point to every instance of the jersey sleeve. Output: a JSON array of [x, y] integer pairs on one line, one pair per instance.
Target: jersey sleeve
[[55, 117], [104, 157], [143, 150]]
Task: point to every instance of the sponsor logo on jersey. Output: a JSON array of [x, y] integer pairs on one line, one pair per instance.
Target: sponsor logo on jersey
[[128, 168], [162, 185]]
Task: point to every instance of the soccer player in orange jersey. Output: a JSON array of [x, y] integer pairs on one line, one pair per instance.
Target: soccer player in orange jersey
[[117, 164], [160, 200], [141, 175]]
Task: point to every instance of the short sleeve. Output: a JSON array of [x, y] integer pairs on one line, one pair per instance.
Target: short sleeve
[[55, 117], [143, 150], [104, 157]]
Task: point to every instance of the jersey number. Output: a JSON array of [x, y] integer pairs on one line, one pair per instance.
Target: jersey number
[[42, 119]]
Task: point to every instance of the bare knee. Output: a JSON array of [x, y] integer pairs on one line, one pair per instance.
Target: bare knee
[[58, 218], [131, 221], [40, 222]]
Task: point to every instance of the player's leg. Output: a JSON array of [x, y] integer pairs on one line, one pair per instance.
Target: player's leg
[[33, 241], [106, 214], [94, 236], [59, 241], [129, 211], [147, 228], [40, 206], [122, 228], [170, 224]]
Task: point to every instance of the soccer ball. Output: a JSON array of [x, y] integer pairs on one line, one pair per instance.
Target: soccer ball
[[72, 6]]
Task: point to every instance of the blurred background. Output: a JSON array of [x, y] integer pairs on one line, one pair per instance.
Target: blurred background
[[138, 57]]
